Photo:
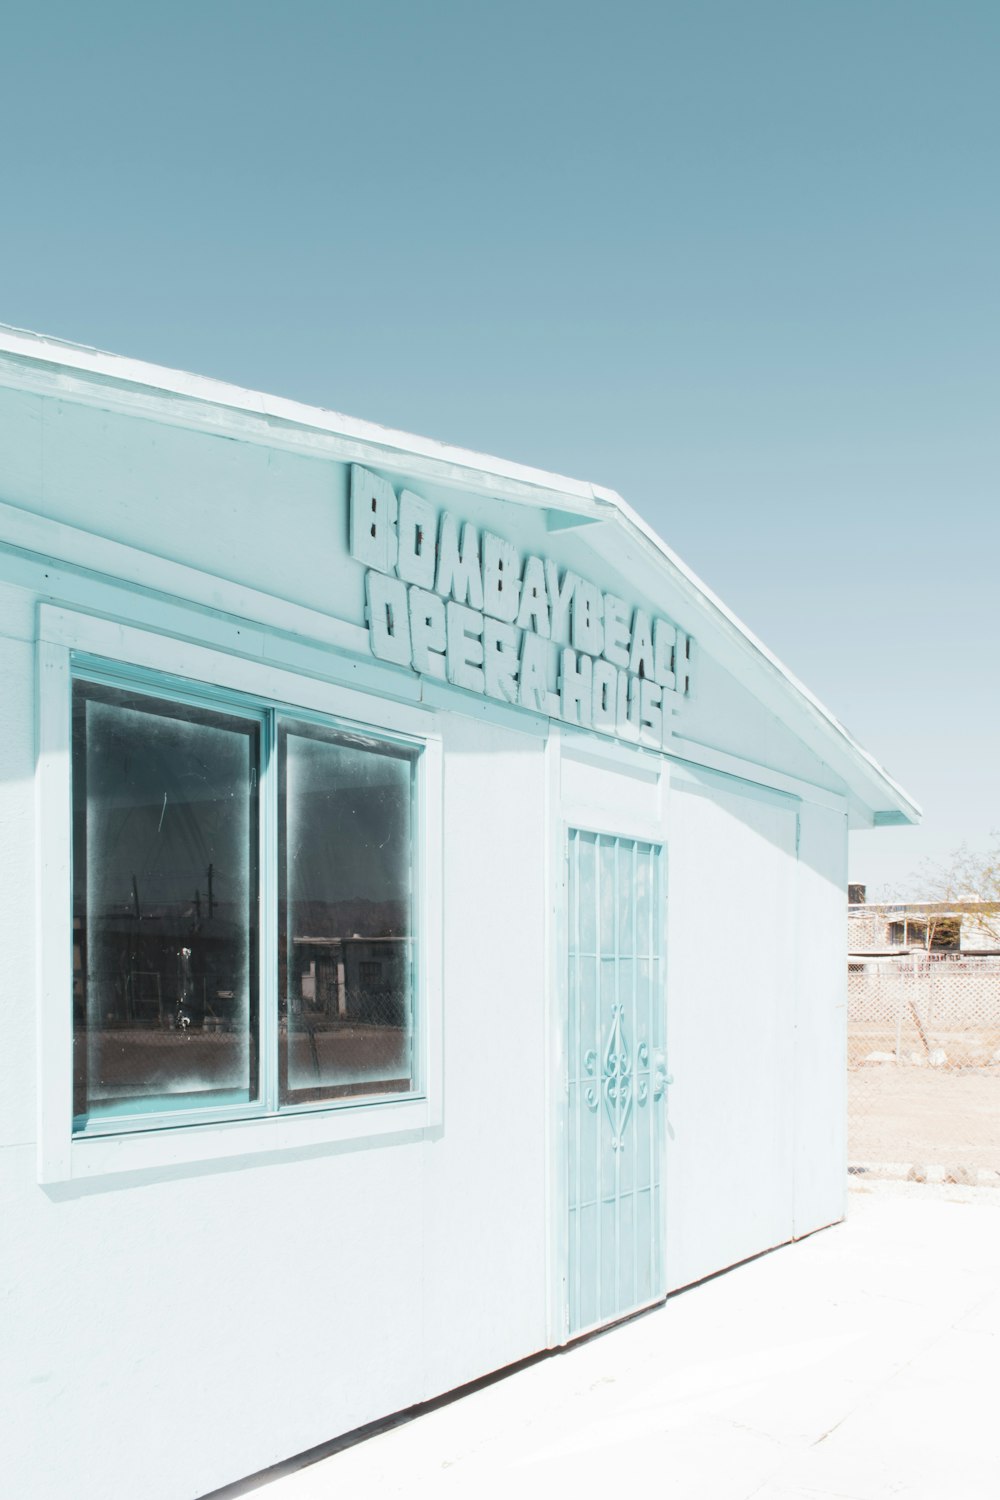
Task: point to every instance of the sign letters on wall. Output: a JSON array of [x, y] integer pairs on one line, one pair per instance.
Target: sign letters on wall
[[463, 606]]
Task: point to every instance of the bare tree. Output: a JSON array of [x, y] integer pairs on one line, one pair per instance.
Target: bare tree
[[966, 883]]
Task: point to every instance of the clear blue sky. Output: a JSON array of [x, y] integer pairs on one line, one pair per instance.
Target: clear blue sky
[[740, 261]]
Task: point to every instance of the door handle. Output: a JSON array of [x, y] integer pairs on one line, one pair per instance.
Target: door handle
[[661, 1078]]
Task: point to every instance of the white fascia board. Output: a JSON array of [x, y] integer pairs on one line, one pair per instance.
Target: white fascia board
[[719, 631], [112, 382], [73, 372]]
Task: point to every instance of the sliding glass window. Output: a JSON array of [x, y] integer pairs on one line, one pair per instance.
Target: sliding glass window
[[345, 914], [243, 910]]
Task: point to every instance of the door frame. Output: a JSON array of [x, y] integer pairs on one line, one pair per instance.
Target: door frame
[[601, 817]]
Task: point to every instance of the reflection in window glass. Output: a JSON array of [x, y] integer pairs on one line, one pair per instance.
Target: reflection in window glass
[[164, 904], [345, 914]]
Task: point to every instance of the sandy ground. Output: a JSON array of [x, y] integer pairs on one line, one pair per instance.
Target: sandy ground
[[925, 1115]]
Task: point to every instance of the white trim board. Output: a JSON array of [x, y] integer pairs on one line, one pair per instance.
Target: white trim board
[[688, 756], [88, 377], [44, 540], [172, 599]]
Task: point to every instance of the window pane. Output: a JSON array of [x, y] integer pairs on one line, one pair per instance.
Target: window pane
[[164, 904], [346, 914]]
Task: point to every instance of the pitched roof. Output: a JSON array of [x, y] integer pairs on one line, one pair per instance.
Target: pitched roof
[[113, 382]]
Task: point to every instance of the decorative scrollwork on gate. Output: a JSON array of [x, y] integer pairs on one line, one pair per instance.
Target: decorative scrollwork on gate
[[617, 1082], [642, 1053], [616, 1079], [617, 1085], [590, 1063]]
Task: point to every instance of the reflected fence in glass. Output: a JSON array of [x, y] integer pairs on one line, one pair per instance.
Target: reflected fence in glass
[[165, 889], [345, 914], [216, 968]]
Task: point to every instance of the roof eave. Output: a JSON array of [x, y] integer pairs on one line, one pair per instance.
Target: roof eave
[[186, 399]]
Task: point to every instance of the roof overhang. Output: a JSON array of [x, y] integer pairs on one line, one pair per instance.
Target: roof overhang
[[112, 382]]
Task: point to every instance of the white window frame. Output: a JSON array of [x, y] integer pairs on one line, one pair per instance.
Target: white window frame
[[64, 636]]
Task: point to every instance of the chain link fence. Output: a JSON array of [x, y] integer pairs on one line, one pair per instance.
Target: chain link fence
[[923, 1058]]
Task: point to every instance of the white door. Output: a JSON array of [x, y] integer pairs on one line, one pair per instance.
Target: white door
[[616, 1028]]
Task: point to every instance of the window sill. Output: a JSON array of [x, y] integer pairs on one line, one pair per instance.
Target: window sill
[[303, 1132]]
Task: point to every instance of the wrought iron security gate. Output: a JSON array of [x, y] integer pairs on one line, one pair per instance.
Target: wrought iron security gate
[[617, 1077]]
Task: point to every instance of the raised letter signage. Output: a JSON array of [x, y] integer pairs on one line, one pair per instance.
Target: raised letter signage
[[449, 603]]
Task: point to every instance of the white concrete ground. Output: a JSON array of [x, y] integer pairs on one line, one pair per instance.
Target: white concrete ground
[[862, 1363]]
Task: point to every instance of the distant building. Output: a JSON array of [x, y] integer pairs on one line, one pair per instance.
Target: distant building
[[923, 985], [926, 926]]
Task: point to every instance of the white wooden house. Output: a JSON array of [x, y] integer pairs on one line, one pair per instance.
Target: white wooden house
[[367, 809]]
